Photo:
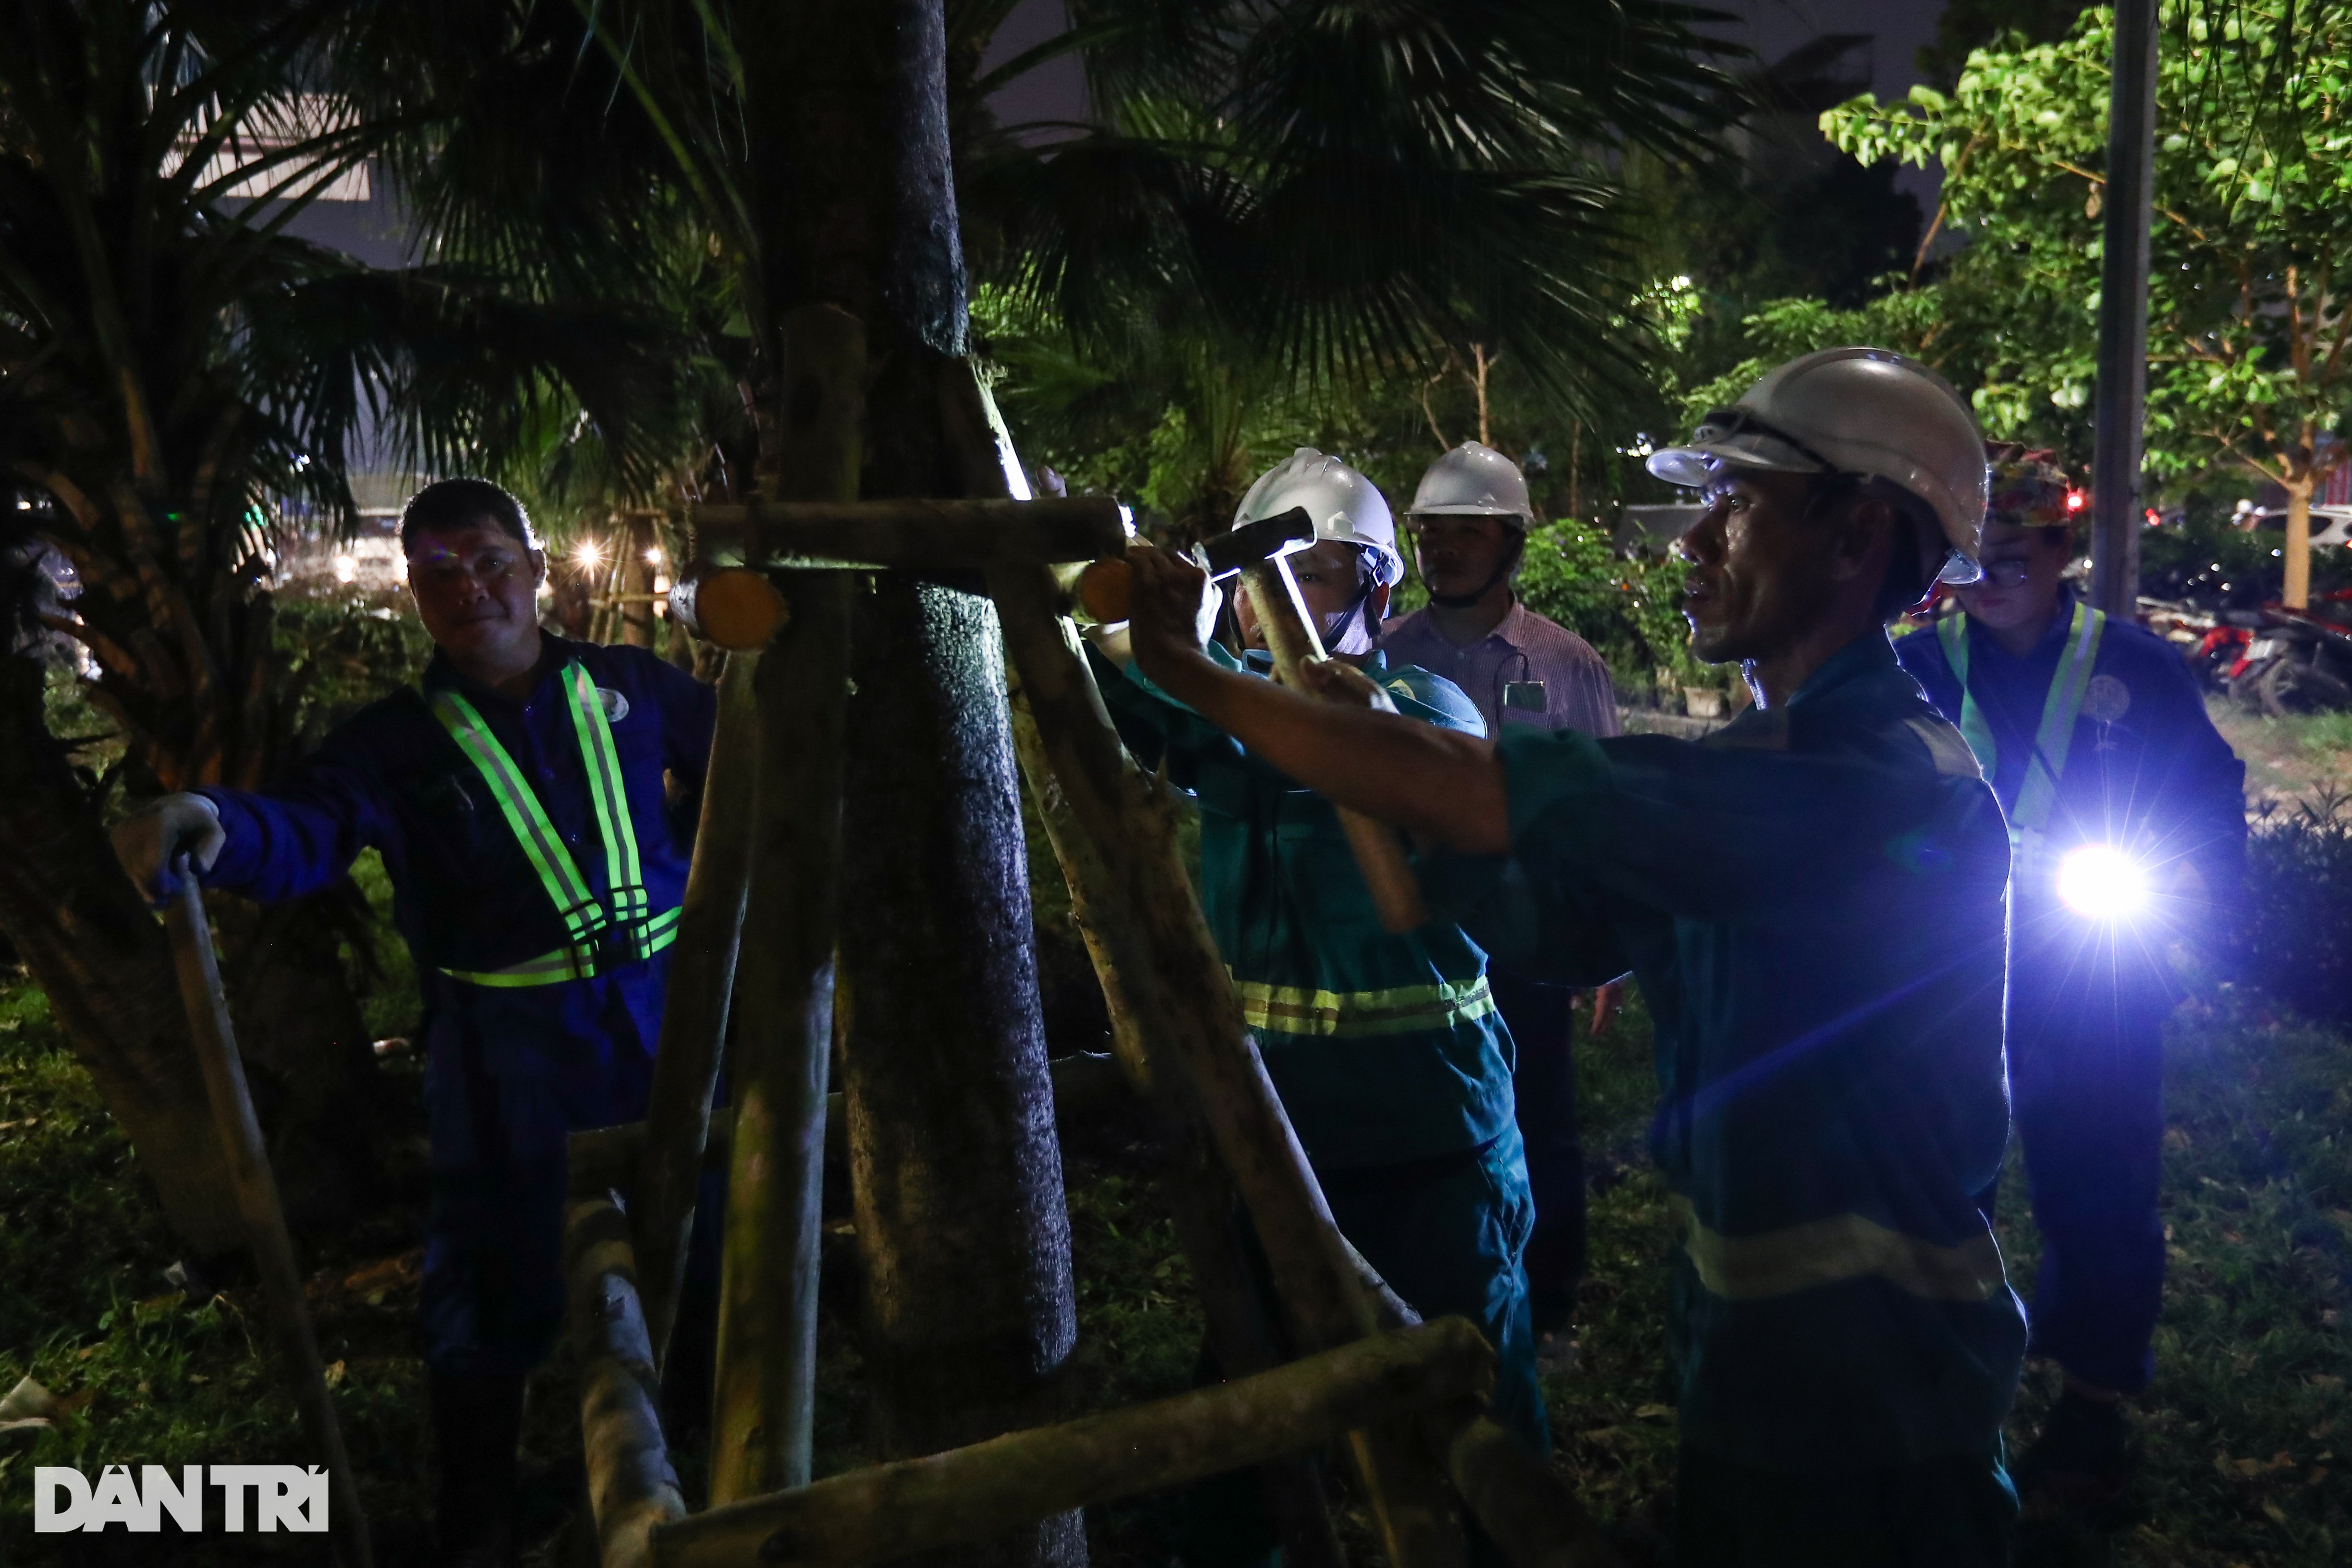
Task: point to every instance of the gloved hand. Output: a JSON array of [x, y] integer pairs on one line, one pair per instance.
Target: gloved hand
[[150, 840]]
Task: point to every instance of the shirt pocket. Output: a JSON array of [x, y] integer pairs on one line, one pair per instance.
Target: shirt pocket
[[456, 832]]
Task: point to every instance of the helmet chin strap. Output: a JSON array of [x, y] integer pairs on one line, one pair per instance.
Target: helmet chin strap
[[1508, 564]]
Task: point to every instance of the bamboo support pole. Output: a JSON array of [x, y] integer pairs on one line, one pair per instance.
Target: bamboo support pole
[[632, 1486], [1084, 1085], [766, 1383], [908, 535], [1526, 1507], [890, 1511], [694, 1011], [1203, 1199], [247, 1158], [764, 1404], [1187, 1014]]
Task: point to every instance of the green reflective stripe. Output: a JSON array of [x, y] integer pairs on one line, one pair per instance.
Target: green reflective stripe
[[623, 881], [566, 962], [2060, 708], [525, 816], [586, 919], [1830, 1251]]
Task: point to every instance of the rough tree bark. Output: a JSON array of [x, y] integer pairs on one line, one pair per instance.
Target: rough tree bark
[[963, 1231], [106, 966]]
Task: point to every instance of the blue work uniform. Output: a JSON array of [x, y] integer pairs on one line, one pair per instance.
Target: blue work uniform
[[1829, 1077], [2141, 769], [1386, 1049], [510, 1069]]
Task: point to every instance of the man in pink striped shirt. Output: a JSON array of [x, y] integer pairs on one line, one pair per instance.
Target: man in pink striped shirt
[[1469, 522]]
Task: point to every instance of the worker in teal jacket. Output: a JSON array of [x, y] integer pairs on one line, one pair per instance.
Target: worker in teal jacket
[[1832, 1098], [1390, 1060]]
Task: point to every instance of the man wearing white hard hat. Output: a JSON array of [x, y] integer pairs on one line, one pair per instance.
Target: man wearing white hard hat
[[1832, 1097], [1387, 1049], [1469, 522]]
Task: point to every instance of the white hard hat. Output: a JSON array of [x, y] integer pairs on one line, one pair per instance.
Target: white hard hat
[[1474, 480], [1346, 505], [1867, 412]]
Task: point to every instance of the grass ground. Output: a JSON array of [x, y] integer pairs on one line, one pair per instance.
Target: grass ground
[[2246, 1433]]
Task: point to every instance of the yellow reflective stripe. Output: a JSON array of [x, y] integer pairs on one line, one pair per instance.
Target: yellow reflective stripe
[[1342, 1015], [565, 962], [622, 880], [2060, 708], [1827, 1251], [2059, 711], [526, 818]]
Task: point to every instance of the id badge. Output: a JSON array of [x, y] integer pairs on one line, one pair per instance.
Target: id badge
[[1525, 697]]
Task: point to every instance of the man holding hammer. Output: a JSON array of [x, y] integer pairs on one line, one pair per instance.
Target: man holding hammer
[[1384, 1044], [517, 800], [1832, 1097]]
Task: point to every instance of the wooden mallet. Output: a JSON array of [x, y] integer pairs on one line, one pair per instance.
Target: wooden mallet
[[1256, 553], [257, 1203]]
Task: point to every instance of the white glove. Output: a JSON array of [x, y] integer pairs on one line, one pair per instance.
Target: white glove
[[151, 840]]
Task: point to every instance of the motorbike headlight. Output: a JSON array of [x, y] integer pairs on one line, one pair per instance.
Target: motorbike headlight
[[2099, 882]]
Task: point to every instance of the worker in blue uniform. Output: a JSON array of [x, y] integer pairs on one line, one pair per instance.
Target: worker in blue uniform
[[2128, 813], [1831, 1090], [517, 800]]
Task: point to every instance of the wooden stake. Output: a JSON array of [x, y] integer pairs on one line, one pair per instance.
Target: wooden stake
[[908, 534], [257, 1201], [763, 1408], [694, 1011], [894, 1511], [631, 1487], [1154, 948]]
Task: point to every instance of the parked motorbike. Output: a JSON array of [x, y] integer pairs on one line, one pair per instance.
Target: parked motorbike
[[2297, 660]]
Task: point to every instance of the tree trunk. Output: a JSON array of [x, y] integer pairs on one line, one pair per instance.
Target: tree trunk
[[962, 1230], [2298, 555], [106, 966]]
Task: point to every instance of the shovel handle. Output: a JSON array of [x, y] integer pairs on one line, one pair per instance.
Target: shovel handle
[[256, 1200]]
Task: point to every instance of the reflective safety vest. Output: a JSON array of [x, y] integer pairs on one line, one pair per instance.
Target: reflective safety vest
[[604, 934], [2060, 708]]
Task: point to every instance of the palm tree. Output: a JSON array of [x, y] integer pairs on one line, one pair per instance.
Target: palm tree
[[175, 367]]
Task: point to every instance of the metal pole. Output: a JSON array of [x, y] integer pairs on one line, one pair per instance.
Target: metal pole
[[2122, 397], [257, 1201]]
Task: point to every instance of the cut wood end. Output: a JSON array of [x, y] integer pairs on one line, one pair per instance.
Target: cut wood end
[[1106, 589], [736, 608]]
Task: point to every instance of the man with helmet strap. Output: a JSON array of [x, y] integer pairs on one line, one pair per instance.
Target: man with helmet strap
[[1469, 522], [1832, 1101], [1386, 1049], [2094, 734]]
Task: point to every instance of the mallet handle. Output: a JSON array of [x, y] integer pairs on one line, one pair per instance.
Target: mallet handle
[[257, 1202], [1291, 638]]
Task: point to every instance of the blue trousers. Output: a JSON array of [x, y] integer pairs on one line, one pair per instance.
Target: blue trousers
[[1451, 1241], [493, 1294], [2086, 1091]]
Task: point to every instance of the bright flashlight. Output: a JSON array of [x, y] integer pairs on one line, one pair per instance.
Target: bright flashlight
[[2100, 882], [588, 555]]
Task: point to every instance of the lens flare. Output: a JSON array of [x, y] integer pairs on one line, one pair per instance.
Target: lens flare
[[588, 555], [2100, 882]]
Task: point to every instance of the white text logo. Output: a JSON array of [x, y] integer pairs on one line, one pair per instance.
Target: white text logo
[[284, 1497]]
